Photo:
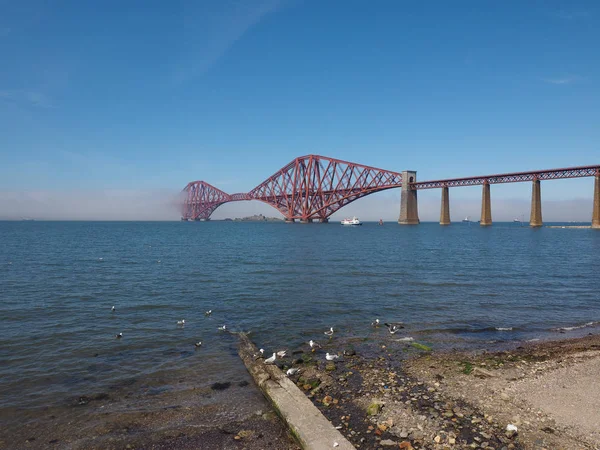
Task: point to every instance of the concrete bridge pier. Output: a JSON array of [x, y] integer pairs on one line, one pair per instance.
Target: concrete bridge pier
[[324, 220], [288, 220], [535, 219], [486, 206], [445, 212], [409, 210], [306, 221], [596, 210]]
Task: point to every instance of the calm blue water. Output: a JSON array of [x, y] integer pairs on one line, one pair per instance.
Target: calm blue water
[[451, 286]]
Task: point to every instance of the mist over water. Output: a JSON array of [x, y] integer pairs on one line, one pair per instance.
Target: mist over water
[[454, 286]]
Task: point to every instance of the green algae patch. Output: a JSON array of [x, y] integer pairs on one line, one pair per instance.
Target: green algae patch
[[423, 347]]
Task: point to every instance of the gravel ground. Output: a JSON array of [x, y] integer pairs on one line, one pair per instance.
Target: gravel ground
[[380, 398]]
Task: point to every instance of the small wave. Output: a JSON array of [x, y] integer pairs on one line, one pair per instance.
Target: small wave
[[504, 328], [405, 339], [576, 327]]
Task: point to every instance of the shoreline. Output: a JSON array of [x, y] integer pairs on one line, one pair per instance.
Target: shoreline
[[384, 392], [463, 399]]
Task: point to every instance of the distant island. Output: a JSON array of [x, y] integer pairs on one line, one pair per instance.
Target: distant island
[[257, 218]]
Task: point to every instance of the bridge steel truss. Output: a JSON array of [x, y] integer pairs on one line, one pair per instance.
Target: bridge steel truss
[[309, 188], [550, 174], [314, 187]]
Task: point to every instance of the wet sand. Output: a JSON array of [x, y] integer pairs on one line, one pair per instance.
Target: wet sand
[[228, 415]]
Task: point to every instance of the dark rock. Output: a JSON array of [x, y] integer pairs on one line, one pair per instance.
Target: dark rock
[[243, 383], [220, 386]]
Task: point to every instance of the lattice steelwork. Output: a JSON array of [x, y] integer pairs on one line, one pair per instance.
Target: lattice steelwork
[[310, 187], [552, 174], [314, 187], [201, 200]]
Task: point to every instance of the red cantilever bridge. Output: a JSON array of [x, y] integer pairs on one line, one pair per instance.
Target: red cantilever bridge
[[312, 188]]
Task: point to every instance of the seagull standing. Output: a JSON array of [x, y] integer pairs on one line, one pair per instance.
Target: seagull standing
[[329, 333], [271, 360], [329, 357], [281, 353], [292, 371]]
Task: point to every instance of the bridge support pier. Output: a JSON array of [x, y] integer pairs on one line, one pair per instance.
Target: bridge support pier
[[445, 212], [409, 210], [486, 206], [306, 221], [287, 220], [324, 220], [596, 210], [535, 219]]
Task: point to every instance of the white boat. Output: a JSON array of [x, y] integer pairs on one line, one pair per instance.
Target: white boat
[[466, 219], [354, 221]]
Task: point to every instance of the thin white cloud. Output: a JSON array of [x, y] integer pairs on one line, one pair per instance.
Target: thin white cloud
[[563, 80], [211, 28], [31, 98]]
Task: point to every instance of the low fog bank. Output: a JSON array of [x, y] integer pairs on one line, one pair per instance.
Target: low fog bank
[[91, 205], [166, 205]]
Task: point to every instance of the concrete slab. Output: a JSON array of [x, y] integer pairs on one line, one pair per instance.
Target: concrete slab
[[309, 426]]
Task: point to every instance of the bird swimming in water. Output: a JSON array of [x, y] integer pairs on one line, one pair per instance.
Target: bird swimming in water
[[208, 313], [281, 353], [329, 333], [375, 324], [392, 328], [113, 309], [181, 322], [271, 360], [313, 345], [292, 371], [119, 335], [198, 344], [223, 328], [329, 357]]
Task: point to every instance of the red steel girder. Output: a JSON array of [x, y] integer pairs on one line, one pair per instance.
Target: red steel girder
[[550, 174], [201, 200], [314, 187]]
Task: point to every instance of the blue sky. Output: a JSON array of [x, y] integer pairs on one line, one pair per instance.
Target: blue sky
[[148, 95]]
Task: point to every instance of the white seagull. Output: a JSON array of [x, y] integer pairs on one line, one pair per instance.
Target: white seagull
[[393, 329], [281, 353], [119, 335], [292, 371], [313, 345], [181, 322], [223, 328], [375, 324], [198, 344], [208, 313], [329, 357], [113, 309], [271, 360], [329, 333], [259, 355]]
